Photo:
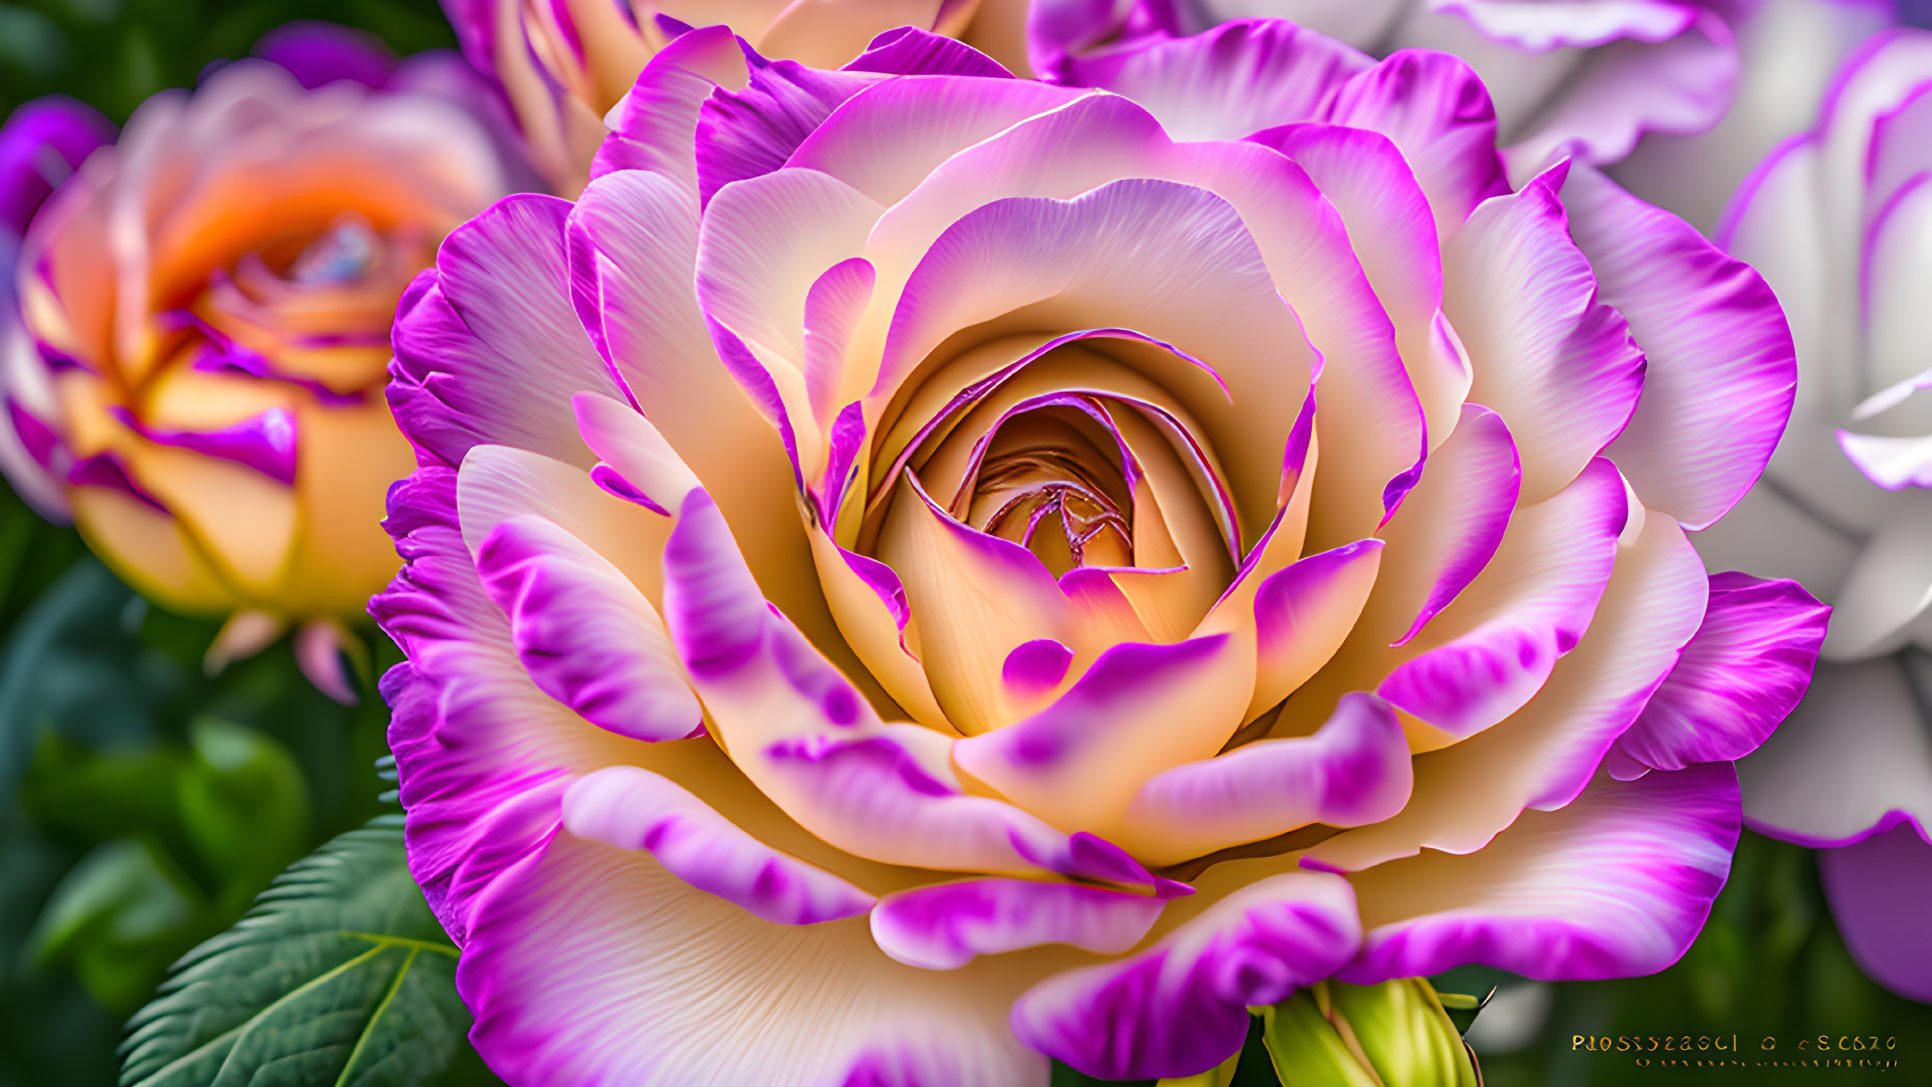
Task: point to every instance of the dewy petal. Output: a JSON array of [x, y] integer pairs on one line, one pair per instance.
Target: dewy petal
[[589, 965], [1436, 110], [1878, 889], [1549, 356], [1232, 81], [1854, 758], [944, 926], [1181, 1006], [1719, 382], [630, 807], [587, 635], [1742, 673], [1616, 884], [1353, 770], [488, 347]]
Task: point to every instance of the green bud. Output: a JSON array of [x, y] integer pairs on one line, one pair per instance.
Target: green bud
[[1395, 1034]]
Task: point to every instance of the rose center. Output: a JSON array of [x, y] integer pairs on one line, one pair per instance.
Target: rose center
[[1054, 480]]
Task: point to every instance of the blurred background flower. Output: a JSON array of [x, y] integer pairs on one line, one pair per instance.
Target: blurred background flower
[[562, 64], [1839, 219], [195, 374]]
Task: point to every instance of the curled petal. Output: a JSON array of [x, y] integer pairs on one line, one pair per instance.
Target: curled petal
[[1232, 81], [1303, 613], [587, 636], [654, 128], [1138, 710], [1449, 529], [488, 348], [632, 808], [1493, 648], [1554, 361], [1353, 770], [1821, 784], [751, 132], [1436, 110], [809, 741], [1181, 1007], [1742, 673], [1720, 372], [1617, 884], [944, 926]]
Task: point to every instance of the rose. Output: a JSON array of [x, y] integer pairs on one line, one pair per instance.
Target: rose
[[1606, 76], [1837, 221], [562, 66], [40, 145], [911, 519], [206, 307], [1787, 51]]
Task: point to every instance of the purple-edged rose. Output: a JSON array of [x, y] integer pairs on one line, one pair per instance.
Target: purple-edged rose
[[1840, 220], [918, 571]]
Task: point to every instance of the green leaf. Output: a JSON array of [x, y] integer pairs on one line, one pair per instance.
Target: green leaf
[[338, 977], [71, 666], [119, 916], [120, 891], [243, 802]]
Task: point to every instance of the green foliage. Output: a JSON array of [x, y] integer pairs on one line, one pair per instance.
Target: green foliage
[[143, 802], [113, 54], [243, 803], [338, 975], [121, 914]]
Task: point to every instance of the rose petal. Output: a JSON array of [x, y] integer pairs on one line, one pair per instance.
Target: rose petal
[[630, 807], [1554, 361], [1181, 1007], [582, 960], [1353, 770], [1742, 673], [1877, 890], [946, 925], [1614, 885], [488, 348], [587, 636]]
